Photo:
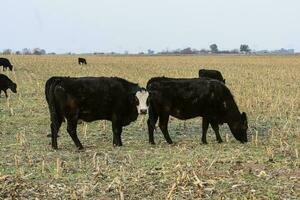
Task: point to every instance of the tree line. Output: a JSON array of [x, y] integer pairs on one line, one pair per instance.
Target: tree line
[[25, 51], [213, 48]]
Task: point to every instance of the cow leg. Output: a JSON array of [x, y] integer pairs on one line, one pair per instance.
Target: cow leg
[[71, 128], [163, 125], [55, 125], [215, 127], [205, 124], [117, 131], [5, 93], [153, 117]]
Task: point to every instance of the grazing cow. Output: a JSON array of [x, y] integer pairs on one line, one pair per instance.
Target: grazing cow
[[93, 98], [82, 61], [214, 74], [6, 83], [189, 98], [6, 64], [210, 73]]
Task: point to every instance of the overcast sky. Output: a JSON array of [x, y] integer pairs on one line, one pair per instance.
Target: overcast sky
[[138, 25]]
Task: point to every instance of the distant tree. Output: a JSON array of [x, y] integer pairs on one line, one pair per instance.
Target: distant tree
[[195, 51], [244, 48], [7, 51], [18, 53], [150, 51], [186, 51], [214, 48], [38, 51], [234, 51], [26, 51], [203, 51], [176, 51]]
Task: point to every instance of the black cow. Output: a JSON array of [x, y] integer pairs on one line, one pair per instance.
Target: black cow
[[210, 73], [6, 83], [189, 98], [93, 98], [214, 74], [6, 64], [82, 61]]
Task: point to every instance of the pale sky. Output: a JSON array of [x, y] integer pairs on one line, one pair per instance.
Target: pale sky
[[138, 25]]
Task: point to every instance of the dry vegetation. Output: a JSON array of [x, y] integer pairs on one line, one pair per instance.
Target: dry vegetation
[[268, 167]]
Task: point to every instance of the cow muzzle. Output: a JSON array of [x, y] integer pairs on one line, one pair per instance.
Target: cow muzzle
[[143, 111]]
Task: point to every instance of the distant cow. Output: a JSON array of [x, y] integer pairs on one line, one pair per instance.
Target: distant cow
[[210, 73], [6, 64], [189, 98], [93, 98], [6, 83], [82, 61], [214, 74]]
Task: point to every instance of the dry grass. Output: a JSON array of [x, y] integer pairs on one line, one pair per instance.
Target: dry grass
[[268, 167]]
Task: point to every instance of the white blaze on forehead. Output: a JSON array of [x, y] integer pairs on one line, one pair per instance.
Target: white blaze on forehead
[[142, 96]]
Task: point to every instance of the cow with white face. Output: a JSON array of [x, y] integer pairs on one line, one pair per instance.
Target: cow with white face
[[142, 101], [93, 98]]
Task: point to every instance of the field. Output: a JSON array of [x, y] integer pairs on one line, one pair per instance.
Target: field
[[267, 88]]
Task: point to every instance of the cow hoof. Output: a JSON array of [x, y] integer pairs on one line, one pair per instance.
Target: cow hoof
[[151, 142], [204, 142], [220, 141]]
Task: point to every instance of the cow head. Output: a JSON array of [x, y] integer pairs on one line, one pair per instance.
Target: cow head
[[13, 87], [239, 128], [141, 100]]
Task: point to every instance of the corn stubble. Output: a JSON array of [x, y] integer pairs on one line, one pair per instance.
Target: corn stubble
[[267, 167]]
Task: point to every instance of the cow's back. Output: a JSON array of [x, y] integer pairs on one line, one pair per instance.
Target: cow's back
[[4, 62], [188, 98], [4, 79], [4, 82], [95, 97], [214, 74]]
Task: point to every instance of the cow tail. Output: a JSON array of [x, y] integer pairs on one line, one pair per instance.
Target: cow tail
[[54, 109]]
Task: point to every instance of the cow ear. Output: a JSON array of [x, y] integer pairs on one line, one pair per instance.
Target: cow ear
[[132, 98], [133, 91], [224, 80]]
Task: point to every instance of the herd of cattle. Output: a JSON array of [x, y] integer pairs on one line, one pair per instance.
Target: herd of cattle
[[120, 101], [5, 82]]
